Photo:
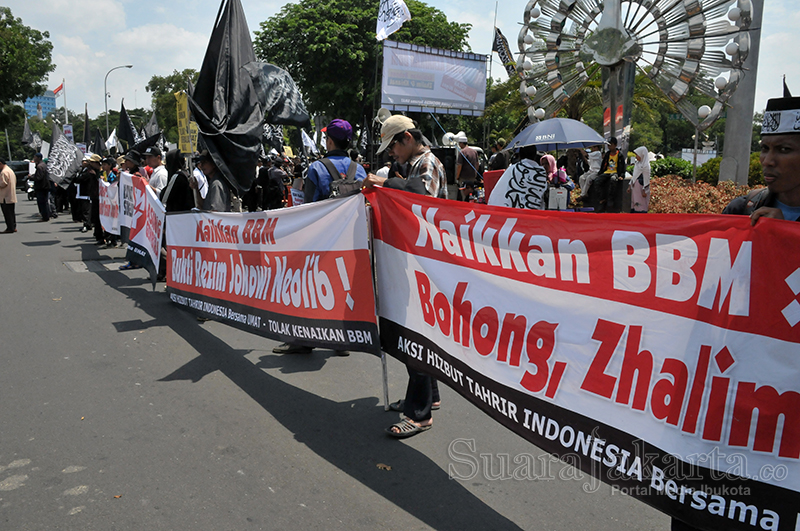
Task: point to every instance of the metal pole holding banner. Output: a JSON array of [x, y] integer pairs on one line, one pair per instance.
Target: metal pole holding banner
[[384, 365]]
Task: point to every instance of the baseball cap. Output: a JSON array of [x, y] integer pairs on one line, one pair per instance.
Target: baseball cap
[[339, 129], [152, 151], [392, 126]]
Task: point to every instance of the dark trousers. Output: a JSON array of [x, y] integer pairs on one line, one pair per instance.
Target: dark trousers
[[9, 215], [95, 216], [421, 393], [43, 202], [606, 192], [84, 207]]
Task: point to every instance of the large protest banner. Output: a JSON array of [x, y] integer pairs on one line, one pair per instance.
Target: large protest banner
[[657, 353], [109, 207], [300, 275]]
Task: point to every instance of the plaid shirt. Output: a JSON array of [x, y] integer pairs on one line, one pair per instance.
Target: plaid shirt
[[428, 168]]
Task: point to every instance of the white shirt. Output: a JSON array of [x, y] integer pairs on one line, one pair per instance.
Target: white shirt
[[158, 179], [202, 182]]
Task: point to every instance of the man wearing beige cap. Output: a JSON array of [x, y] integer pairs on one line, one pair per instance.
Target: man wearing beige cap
[[426, 176], [403, 141]]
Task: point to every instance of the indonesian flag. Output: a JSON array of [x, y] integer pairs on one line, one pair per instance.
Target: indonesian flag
[[58, 89]]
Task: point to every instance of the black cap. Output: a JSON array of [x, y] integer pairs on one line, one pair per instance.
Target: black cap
[[152, 151], [134, 157]]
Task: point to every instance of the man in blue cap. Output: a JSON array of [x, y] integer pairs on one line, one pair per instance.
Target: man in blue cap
[[317, 185]]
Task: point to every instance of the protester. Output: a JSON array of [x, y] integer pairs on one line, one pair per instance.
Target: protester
[[177, 196], [403, 141], [317, 186], [595, 159], [158, 177], [93, 180], [499, 158], [523, 184], [639, 187], [780, 160], [83, 202], [41, 185], [218, 196], [132, 163], [466, 166], [337, 164], [383, 171], [108, 174], [8, 196], [612, 170]]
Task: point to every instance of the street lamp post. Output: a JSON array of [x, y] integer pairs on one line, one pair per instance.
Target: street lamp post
[[105, 93]]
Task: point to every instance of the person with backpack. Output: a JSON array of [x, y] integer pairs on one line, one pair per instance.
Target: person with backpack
[[335, 166], [335, 174]]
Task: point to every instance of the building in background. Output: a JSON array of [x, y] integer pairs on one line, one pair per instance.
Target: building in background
[[48, 102]]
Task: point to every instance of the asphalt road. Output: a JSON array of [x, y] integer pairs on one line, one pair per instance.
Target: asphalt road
[[120, 411]]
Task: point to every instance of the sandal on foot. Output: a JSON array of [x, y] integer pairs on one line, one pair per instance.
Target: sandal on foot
[[129, 266], [398, 406], [406, 428]]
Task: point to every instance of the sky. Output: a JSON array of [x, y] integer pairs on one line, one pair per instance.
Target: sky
[[90, 37]]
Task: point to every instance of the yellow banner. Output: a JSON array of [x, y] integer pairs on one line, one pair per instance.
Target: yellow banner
[[187, 131]]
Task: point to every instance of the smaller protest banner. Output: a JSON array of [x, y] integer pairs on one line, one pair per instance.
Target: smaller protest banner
[[109, 207], [146, 226]]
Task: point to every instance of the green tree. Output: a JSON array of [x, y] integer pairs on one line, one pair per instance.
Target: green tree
[[163, 91], [25, 61], [329, 48]]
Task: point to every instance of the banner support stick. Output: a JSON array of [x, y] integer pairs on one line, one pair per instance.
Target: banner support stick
[[384, 365]]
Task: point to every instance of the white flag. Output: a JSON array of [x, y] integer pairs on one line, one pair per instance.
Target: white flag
[[307, 142], [391, 15], [112, 140]]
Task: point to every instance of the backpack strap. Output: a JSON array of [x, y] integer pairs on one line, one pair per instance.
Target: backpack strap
[[351, 170], [328, 163]]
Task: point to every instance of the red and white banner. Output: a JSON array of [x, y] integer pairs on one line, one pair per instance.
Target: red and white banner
[[146, 214], [658, 353], [109, 207], [300, 275]]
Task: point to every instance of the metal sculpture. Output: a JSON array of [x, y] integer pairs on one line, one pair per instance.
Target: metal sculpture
[[682, 45]]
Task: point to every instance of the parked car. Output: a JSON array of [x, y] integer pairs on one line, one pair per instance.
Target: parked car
[[20, 169]]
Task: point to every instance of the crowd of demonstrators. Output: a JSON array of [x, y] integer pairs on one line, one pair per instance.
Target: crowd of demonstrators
[[8, 196], [426, 176]]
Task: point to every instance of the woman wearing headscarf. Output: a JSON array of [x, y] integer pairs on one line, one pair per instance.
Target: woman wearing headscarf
[[548, 162], [639, 188]]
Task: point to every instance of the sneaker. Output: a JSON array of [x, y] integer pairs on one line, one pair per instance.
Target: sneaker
[[286, 348], [84, 229]]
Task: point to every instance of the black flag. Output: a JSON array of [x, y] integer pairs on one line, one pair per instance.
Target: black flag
[[64, 160], [27, 136], [273, 136], [500, 45], [786, 92], [146, 143], [235, 93], [224, 103], [125, 129], [98, 145], [86, 137], [152, 126]]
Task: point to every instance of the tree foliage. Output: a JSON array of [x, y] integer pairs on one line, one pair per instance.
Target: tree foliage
[[329, 48], [163, 91], [25, 61]]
